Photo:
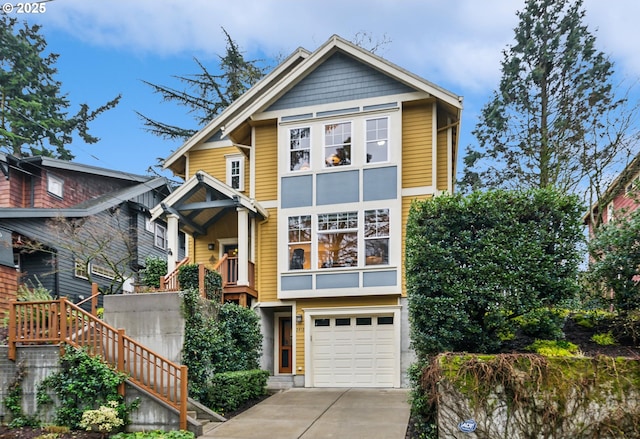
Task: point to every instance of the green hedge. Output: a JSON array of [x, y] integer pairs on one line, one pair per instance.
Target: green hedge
[[228, 391], [476, 263]]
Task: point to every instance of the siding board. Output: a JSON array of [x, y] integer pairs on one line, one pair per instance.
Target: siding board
[[417, 151], [266, 157], [340, 78]]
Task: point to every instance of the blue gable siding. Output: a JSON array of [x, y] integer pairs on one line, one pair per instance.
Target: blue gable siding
[[340, 78]]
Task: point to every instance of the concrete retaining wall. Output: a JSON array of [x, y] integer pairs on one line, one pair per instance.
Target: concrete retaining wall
[[152, 319], [41, 361]]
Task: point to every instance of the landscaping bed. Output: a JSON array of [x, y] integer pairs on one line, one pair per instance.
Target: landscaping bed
[[32, 433]]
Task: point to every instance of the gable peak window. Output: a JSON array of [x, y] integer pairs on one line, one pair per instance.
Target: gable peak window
[[235, 171]]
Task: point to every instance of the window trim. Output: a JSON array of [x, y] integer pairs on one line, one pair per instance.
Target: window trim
[[156, 235], [325, 156], [81, 272], [314, 263], [330, 263], [55, 186], [366, 238], [309, 149], [102, 271], [302, 244], [387, 139], [231, 159]]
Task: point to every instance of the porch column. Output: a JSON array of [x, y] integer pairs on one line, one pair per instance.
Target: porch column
[[172, 242], [243, 246]]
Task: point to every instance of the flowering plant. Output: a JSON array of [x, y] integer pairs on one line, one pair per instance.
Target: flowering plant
[[103, 419]]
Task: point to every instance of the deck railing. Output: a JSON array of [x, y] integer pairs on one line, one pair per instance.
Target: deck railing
[[64, 323], [227, 266], [169, 282]]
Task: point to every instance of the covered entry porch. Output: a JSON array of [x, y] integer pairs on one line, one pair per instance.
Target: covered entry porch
[[222, 224]]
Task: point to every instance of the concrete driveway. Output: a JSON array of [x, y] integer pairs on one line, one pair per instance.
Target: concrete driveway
[[322, 413]]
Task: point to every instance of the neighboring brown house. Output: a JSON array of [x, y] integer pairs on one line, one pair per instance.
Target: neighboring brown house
[[35, 190]]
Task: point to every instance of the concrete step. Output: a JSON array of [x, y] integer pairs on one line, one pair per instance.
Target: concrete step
[[279, 382]]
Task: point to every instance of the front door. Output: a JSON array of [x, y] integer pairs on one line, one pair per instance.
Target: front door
[[284, 344]]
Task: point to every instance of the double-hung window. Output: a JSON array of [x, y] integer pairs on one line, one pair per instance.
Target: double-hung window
[[337, 144], [338, 240], [300, 242], [376, 236], [235, 171], [300, 149], [377, 140], [160, 238]]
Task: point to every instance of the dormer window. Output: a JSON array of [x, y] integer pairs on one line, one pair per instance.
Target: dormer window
[[55, 186]]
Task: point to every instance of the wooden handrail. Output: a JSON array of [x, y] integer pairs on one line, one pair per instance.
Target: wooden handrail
[[64, 323], [95, 292], [170, 280]]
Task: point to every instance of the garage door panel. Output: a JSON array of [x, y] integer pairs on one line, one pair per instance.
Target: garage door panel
[[360, 355]]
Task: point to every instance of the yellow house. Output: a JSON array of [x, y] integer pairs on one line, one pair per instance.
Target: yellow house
[[299, 193]]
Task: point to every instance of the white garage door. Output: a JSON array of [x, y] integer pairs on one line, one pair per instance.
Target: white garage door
[[353, 351]]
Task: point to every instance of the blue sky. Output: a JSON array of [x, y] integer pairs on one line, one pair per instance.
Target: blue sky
[[107, 47]]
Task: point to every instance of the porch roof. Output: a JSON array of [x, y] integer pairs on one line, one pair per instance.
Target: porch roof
[[202, 201]]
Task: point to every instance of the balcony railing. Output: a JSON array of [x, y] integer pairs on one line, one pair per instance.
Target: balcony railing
[[61, 322]]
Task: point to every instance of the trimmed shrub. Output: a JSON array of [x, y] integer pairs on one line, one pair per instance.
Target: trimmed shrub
[[228, 391]]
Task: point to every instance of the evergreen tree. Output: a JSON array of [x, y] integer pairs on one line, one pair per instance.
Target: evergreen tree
[[34, 118], [555, 119], [206, 94]]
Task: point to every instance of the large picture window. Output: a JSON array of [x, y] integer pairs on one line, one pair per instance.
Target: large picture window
[[300, 242], [377, 140], [376, 236], [337, 144], [299, 149], [338, 240]]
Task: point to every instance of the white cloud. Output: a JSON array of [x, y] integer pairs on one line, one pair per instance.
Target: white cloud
[[456, 43]]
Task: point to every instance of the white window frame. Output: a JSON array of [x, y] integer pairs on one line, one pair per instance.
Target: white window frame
[[81, 270], [160, 232], [239, 160], [290, 149], [100, 270], [300, 244], [377, 236], [340, 217], [149, 225], [376, 139], [55, 186], [328, 163]]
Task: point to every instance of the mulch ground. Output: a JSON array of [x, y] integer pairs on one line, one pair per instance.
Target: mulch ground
[[32, 433]]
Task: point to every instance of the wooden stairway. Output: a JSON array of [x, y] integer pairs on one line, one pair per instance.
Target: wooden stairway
[[61, 322]]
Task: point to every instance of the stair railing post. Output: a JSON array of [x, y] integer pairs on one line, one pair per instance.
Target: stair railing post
[[120, 364], [201, 275], [12, 331], [183, 397], [94, 299], [64, 322]]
